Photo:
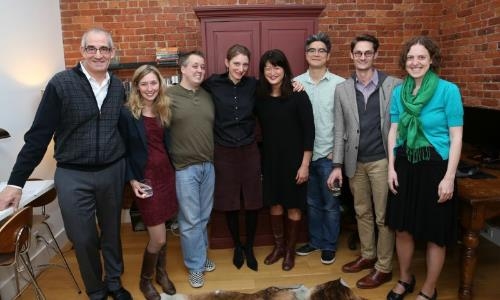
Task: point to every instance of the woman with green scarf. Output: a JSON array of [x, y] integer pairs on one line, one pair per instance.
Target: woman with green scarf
[[426, 140]]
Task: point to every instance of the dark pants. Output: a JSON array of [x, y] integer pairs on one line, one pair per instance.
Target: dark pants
[[83, 196]]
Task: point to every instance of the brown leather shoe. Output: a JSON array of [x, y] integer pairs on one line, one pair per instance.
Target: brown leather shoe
[[374, 279], [359, 264]]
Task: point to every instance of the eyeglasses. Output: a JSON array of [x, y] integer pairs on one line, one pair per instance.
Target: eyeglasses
[[367, 54], [93, 50], [320, 51]]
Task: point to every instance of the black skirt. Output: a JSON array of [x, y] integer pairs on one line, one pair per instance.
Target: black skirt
[[414, 208]]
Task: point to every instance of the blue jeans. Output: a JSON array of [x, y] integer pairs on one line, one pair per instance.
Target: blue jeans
[[323, 209], [195, 194]]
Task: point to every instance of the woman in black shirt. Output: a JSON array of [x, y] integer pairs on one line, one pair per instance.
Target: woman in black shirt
[[236, 157]]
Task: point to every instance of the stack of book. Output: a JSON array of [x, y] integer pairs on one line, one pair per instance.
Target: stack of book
[[167, 56]]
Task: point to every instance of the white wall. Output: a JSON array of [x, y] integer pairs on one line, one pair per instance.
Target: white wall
[[31, 52]]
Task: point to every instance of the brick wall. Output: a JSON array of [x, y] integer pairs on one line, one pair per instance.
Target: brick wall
[[468, 32], [470, 37]]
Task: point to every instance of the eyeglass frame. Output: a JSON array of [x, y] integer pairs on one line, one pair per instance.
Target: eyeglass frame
[[367, 54], [102, 50], [320, 51]]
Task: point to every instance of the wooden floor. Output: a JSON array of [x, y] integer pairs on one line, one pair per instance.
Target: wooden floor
[[309, 271]]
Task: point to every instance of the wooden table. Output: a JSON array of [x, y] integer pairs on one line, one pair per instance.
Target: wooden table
[[479, 201], [31, 191]]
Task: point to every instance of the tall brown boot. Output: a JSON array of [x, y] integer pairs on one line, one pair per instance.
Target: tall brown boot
[[148, 265], [289, 260], [161, 272], [279, 241]]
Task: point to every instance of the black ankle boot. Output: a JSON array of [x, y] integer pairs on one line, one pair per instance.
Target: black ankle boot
[[238, 257], [250, 257]]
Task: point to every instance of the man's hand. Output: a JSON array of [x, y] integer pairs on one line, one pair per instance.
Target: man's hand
[[335, 175], [297, 86], [10, 197]]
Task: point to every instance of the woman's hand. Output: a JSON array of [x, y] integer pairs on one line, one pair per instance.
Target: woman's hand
[[447, 184], [137, 187], [392, 175], [302, 174], [445, 189], [392, 180]]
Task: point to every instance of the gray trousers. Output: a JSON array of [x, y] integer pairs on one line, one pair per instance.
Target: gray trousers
[[83, 196]]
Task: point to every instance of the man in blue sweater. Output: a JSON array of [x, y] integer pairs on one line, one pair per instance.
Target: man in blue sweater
[[80, 108]]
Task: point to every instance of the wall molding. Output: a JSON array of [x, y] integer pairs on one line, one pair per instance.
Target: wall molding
[[258, 11]]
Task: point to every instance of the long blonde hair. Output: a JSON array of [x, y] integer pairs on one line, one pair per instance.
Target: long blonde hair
[[161, 105]]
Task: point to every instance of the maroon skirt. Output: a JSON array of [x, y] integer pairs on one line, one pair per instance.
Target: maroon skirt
[[237, 178]]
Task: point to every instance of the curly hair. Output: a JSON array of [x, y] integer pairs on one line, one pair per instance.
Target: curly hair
[[161, 105], [429, 44]]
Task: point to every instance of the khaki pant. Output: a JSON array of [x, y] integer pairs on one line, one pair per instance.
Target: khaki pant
[[369, 188]]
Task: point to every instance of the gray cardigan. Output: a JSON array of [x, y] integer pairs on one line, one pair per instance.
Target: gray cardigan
[[346, 130]]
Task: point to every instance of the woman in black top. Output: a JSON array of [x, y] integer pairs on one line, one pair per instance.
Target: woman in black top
[[236, 156], [287, 123]]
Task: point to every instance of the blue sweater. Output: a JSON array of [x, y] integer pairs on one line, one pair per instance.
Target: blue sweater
[[444, 110]]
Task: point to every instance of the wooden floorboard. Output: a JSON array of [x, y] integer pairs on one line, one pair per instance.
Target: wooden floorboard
[[309, 271]]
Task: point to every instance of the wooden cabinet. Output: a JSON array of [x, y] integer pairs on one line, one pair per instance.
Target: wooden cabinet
[[288, 36], [260, 28], [221, 35]]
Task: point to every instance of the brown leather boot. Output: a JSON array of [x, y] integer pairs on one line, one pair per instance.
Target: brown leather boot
[[161, 272], [289, 260], [279, 241], [148, 265]]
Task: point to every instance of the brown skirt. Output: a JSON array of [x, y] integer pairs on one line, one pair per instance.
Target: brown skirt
[[237, 178]]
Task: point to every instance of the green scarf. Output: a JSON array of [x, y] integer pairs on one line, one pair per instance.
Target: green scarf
[[410, 127]]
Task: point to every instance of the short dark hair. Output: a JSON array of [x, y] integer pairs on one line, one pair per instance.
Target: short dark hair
[[183, 57], [365, 38], [275, 57], [429, 44], [237, 49], [319, 37]]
